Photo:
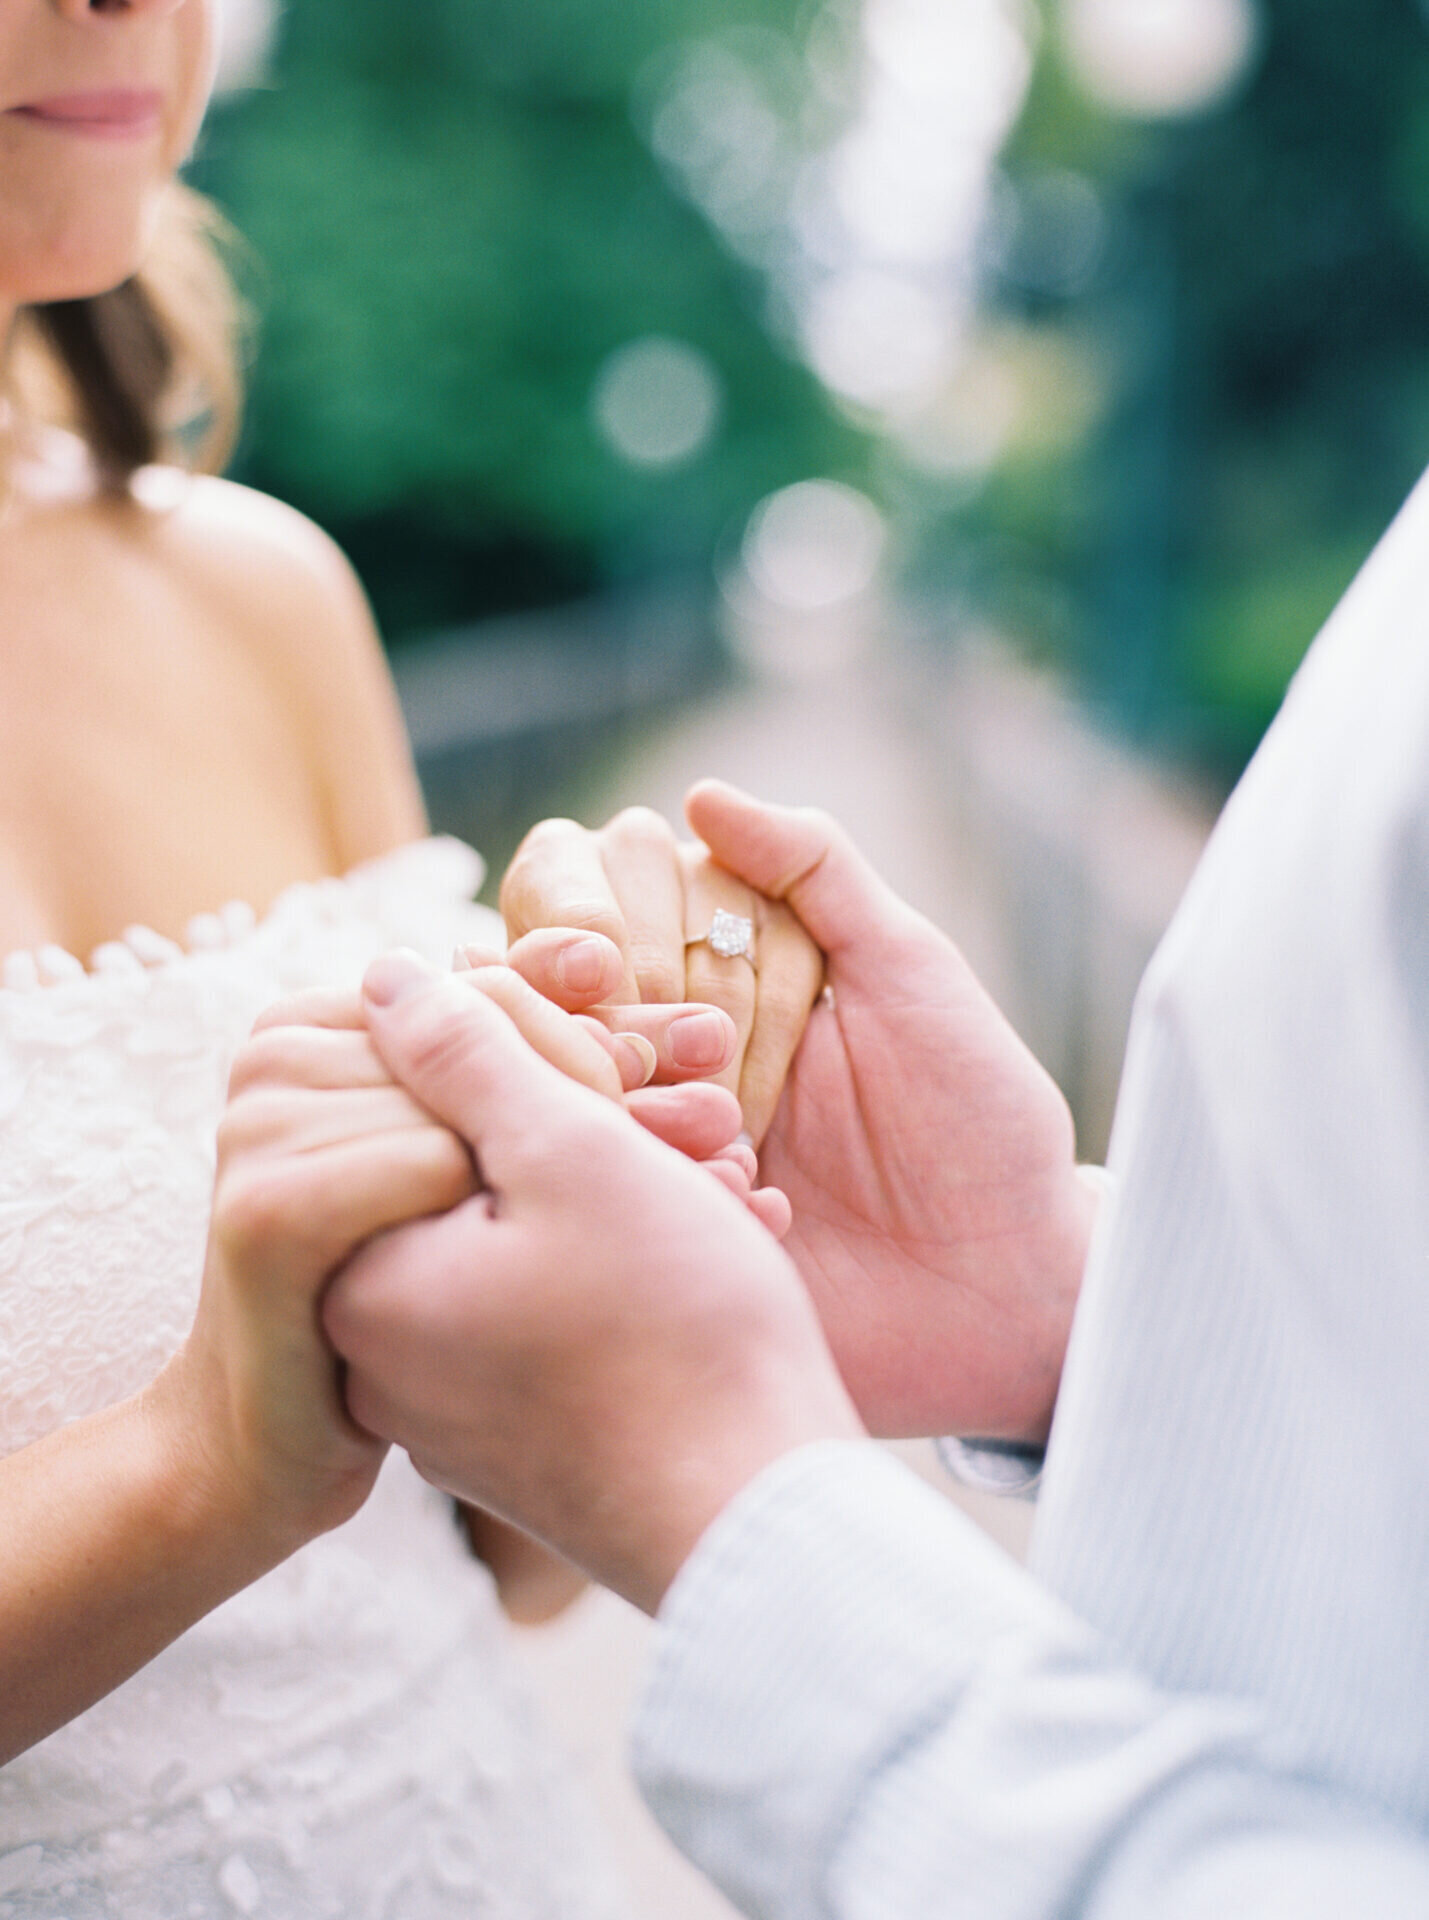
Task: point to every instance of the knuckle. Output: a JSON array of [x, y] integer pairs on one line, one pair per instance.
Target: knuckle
[[438, 1048], [726, 984], [555, 831], [233, 1133], [579, 911], [819, 821], [445, 1042], [249, 1120], [522, 878], [784, 1001], [263, 1056], [292, 1010], [593, 915], [254, 1209], [658, 974], [640, 823], [280, 1014]]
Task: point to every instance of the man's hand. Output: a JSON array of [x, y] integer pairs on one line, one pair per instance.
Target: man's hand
[[938, 1220], [601, 1346]]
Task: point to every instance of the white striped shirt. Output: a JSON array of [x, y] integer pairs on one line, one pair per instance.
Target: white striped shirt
[[1211, 1695]]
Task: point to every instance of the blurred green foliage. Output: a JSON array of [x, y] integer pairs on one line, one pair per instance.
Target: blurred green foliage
[[1258, 326], [453, 222], [1225, 377]]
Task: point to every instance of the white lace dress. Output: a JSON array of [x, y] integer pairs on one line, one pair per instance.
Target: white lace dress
[[346, 1737]]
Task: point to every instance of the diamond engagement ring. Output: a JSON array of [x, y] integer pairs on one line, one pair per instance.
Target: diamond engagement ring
[[730, 935]]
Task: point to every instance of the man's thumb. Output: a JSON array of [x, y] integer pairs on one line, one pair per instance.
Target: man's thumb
[[455, 1051], [803, 857]]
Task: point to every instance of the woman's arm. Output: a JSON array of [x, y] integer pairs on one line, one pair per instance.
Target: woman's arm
[[115, 1543]]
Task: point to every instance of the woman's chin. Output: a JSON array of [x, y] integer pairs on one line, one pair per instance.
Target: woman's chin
[[76, 258], [72, 276]]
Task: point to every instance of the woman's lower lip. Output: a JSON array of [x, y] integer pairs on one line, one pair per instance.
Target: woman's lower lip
[[109, 116]]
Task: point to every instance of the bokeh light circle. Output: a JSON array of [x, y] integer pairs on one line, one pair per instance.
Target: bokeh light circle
[[814, 545], [657, 401], [1155, 58]]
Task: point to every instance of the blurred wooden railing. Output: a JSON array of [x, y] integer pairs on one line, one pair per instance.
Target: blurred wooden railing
[[1084, 848], [506, 716]]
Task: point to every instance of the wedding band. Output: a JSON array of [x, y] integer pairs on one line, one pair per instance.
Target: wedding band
[[730, 935]]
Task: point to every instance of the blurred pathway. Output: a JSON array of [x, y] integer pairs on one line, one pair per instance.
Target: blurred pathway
[[845, 744]]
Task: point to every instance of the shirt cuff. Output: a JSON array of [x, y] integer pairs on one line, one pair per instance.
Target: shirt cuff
[[993, 1466], [835, 1605]]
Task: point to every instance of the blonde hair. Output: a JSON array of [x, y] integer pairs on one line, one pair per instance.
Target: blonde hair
[[150, 370]]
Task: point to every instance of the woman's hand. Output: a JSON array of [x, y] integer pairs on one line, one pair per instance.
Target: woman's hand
[[317, 1152], [655, 899]]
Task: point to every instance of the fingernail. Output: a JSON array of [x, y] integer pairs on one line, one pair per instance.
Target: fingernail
[[699, 1040], [394, 976], [581, 967], [744, 1138], [639, 1061], [460, 962], [740, 1155]]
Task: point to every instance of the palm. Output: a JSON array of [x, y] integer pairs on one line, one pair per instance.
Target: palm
[[937, 1220]]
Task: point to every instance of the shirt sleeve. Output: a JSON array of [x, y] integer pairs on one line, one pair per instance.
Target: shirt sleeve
[[860, 1709]]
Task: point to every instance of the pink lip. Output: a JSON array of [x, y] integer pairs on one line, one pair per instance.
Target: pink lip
[[117, 113]]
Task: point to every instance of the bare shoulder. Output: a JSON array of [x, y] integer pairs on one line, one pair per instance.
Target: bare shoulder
[[282, 588], [265, 563]]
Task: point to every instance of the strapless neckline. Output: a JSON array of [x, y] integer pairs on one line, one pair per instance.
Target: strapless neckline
[[438, 865]]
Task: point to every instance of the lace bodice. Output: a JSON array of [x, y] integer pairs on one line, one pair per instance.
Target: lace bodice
[[344, 1737]]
